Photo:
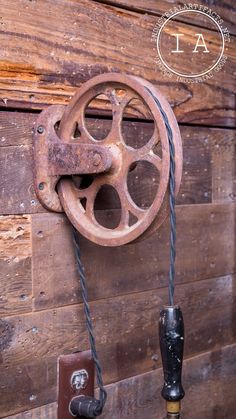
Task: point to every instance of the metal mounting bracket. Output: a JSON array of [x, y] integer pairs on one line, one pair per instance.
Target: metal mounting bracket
[[55, 157]]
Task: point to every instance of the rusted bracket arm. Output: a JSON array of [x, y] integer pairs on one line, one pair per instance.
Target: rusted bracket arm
[[77, 159], [54, 157]]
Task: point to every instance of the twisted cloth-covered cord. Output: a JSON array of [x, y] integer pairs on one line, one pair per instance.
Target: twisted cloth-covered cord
[[95, 409], [171, 283]]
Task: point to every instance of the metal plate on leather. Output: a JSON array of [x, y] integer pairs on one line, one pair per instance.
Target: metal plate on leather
[[75, 377]]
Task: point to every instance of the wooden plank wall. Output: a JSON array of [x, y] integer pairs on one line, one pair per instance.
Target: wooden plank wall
[[47, 50]]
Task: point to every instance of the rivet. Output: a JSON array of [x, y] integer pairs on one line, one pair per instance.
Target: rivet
[[41, 186], [23, 297], [96, 159], [40, 129]]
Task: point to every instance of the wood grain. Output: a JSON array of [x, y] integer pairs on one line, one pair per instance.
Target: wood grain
[[15, 265], [206, 177], [16, 128], [42, 62], [128, 340], [16, 185], [36, 384], [213, 301], [224, 170], [48, 411], [204, 234], [162, 6], [45, 61], [208, 380]]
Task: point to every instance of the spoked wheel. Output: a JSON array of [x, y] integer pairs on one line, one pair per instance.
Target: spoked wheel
[[78, 198]]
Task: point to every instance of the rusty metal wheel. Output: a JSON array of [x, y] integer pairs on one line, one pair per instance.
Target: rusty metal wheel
[[78, 200]]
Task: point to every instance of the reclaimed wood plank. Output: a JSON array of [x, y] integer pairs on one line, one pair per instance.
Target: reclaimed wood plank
[[225, 10], [48, 411], [36, 384], [50, 329], [204, 233], [45, 61], [16, 128], [224, 170], [128, 341], [48, 333], [15, 265], [204, 175], [209, 379], [46, 292], [17, 193], [213, 301], [208, 241]]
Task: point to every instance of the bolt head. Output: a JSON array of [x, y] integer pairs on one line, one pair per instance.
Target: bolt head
[[96, 159], [40, 129], [79, 379]]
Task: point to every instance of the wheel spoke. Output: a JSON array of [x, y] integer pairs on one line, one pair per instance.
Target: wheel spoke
[[91, 196], [154, 159], [85, 137], [130, 205], [154, 140], [119, 107], [78, 193], [135, 157], [124, 219], [80, 119], [127, 204], [110, 92]]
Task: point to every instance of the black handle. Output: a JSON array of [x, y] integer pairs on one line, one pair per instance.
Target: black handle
[[171, 333], [85, 407]]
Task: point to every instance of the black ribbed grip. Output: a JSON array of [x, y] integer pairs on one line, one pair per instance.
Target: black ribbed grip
[[171, 332]]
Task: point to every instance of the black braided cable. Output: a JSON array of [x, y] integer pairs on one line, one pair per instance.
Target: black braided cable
[[171, 284], [98, 407]]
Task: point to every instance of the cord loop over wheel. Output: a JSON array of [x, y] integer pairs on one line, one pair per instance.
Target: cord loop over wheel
[[109, 161]]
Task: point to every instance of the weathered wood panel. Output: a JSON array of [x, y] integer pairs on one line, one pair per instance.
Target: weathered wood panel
[[212, 300], [49, 411], [16, 128], [15, 266], [36, 384], [16, 181], [42, 316], [205, 248], [208, 173], [45, 61], [224, 170], [208, 380], [225, 10]]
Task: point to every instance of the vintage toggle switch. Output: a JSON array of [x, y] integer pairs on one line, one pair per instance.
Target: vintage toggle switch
[[75, 379]]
